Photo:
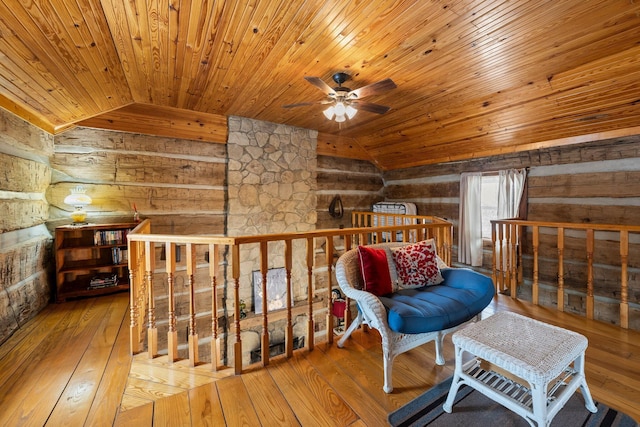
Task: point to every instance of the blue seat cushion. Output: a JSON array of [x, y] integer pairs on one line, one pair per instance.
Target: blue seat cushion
[[463, 294]]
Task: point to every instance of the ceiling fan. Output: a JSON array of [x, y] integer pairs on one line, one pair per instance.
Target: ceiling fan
[[345, 102]]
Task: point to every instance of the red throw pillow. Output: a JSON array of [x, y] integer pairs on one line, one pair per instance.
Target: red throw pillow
[[417, 265], [375, 270]]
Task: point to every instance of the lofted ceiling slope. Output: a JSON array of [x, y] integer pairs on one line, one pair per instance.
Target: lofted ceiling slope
[[474, 77]]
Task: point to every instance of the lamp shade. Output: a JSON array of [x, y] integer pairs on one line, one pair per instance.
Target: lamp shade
[[340, 112], [79, 200]]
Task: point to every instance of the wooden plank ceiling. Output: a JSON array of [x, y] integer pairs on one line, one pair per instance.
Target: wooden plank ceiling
[[474, 77]]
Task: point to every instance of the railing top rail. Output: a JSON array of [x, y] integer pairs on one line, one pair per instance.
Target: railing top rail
[[137, 235], [573, 225]]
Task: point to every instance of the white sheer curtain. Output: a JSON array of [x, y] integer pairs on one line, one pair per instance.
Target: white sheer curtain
[[470, 223], [510, 190]]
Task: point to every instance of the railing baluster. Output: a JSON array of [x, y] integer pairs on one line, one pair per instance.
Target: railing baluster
[[624, 279], [310, 326], [519, 249], [590, 301], [264, 269], [172, 334], [134, 291], [329, 260], [235, 272], [193, 333], [494, 266], [513, 260], [536, 243], [560, 268], [152, 331], [213, 270], [288, 265], [501, 261]]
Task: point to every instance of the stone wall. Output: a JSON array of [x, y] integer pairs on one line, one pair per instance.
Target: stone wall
[[25, 242], [272, 183]]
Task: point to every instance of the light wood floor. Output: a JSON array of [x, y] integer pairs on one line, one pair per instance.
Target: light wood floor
[[70, 366]]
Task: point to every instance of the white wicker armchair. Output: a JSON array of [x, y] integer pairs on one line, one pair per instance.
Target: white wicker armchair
[[373, 313]]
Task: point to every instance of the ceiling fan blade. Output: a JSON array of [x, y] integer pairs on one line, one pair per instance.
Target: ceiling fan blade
[[373, 88], [371, 107], [306, 104], [320, 84], [300, 104]]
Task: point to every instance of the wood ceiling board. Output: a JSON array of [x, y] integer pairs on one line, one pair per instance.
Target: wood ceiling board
[[493, 73], [163, 121]]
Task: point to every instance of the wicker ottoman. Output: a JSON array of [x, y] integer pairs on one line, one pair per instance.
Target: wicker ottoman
[[528, 366]]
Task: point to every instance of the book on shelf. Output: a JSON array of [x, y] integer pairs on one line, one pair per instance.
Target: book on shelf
[[103, 280], [119, 255], [110, 237]]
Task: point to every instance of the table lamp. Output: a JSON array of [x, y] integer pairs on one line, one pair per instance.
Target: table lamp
[[79, 200]]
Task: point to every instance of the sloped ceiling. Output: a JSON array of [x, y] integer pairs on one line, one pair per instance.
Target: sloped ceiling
[[474, 77]]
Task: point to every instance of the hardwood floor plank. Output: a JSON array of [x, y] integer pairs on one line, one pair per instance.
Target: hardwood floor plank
[[172, 411], [206, 409], [76, 399], [33, 392], [183, 365], [44, 321], [150, 390], [142, 416], [19, 348], [366, 406], [269, 403], [367, 375], [106, 403], [236, 403], [185, 379], [131, 402], [312, 399]]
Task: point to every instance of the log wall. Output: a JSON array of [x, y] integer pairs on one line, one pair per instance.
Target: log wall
[[167, 179], [358, 183], [583, 183], [25, 242]]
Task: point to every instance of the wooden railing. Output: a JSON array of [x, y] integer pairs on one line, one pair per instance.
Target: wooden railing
[[222, 258], [512, 237], [443, 235]]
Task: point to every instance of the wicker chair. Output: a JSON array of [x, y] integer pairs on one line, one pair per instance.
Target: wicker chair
[[373, 313]]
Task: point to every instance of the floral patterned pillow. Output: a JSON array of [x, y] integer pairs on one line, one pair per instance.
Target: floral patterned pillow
[[417, 265]]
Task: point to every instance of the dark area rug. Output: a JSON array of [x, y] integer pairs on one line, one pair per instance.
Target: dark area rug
[[472, 408]]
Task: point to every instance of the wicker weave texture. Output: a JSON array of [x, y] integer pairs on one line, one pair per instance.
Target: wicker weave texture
[[528, 348]]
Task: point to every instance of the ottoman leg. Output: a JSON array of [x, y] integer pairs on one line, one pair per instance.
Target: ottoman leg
[[455, 382], [578, 365], [539, 395]]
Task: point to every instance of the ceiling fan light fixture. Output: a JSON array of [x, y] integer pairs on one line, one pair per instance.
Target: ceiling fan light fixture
[[328, 113], [339, 109], [350, 111], [340, 118]]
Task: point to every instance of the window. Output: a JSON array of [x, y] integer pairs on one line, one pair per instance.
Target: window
[[488, 203], [484, 197]]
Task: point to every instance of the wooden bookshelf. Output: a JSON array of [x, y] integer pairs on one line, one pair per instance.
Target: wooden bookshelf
[[91, 260]]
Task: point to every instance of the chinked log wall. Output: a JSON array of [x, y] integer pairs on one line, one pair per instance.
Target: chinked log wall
[[25, 242], [593, 183]]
